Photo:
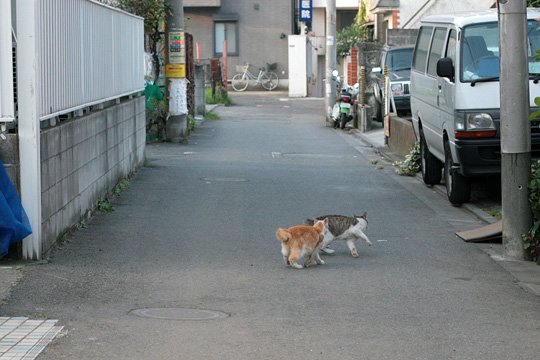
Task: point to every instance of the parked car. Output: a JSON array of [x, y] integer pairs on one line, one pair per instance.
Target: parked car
[[455, 98], [398, 61]]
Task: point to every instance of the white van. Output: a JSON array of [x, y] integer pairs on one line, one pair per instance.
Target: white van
[[455, 102]]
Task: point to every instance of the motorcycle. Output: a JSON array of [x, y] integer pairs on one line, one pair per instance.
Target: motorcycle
[[342, 111]]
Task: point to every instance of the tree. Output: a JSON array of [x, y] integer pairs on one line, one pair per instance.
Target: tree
[[351, 36], [154, 13]]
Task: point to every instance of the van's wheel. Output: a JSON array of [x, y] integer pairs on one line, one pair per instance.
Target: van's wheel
[[458, 187], [431, 166]]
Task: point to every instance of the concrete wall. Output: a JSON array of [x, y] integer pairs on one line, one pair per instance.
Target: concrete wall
[[82, 160], [9, 155], [400, 37], [402, 137], [369, 55]]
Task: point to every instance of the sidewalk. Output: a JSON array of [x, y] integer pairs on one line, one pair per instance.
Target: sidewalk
[[526, 273]]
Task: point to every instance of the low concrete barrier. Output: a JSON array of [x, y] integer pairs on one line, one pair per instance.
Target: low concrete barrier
[[402, 137]]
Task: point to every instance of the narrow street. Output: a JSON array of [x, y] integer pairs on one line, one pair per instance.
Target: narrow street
[[195, 231]]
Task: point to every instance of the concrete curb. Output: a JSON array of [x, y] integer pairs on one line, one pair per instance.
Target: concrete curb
[[526, 273]]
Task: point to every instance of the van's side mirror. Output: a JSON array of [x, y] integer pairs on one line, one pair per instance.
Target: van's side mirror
[[445, 68]]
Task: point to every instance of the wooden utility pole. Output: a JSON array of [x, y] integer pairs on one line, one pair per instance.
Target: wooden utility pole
[[515, 127]]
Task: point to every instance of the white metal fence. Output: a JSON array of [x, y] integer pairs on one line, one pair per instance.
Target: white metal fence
[[7, 108], [88, 53]]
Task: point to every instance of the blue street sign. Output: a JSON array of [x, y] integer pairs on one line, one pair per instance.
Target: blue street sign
[[306, 11]]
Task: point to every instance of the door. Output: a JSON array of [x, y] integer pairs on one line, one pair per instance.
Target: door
[[433, 122]]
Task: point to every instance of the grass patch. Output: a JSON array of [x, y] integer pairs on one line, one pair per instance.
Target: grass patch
[[210, 116], [121, 186], [105, 206], [219, 97], [496, 213]]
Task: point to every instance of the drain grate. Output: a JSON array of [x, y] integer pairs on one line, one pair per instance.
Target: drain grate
[[184, 314]]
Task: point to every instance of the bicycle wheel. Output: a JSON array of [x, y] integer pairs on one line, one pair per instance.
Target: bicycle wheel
[[240, 82], [269, 81]]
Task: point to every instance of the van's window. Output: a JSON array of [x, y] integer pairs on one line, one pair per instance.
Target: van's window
[[480, 51], [437, 48], [533, 46], [422, 47], [451, 46]]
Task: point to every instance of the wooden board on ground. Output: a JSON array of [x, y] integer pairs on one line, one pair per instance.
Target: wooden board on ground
[[485, 233]]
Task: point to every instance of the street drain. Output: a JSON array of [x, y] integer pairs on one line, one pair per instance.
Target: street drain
[[179, 314]]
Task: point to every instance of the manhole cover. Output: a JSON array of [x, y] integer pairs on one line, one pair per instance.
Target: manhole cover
[[223, 179], [179, 314]]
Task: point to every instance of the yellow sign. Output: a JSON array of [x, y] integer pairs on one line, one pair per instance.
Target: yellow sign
[[175, 71]]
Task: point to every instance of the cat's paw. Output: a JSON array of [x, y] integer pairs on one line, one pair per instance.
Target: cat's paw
[[354, 253]]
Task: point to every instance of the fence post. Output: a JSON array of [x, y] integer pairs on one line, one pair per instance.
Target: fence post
[[29, 126]]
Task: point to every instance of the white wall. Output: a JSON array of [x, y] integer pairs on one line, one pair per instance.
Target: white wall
[[318, 26], [297, 66], [409, 8], [340, 4]]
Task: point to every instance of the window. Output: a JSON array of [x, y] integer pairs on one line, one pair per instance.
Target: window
[[533, 29], [226, 30], [480, 52], [437, 48], [422, 46], [451, 46], [397, 60]]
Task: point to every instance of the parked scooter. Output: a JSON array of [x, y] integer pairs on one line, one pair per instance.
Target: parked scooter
[[342, 111]]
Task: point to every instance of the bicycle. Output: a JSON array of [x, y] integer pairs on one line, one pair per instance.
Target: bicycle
[[267, 79]]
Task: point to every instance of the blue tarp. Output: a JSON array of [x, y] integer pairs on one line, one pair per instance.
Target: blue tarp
[[14, 224]]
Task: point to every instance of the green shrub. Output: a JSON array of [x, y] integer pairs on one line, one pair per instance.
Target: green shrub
[[411, 164]]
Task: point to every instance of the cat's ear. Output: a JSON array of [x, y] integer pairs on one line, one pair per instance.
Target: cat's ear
[[364, 215], [325, 221]]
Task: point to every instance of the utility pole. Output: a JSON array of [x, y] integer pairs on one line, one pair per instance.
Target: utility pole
[[175, 71], [515, 127], [330, 97]]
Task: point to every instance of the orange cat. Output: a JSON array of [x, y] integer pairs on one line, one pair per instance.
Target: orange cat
[[302, 242]]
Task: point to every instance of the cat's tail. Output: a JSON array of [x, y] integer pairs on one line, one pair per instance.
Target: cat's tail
[[283, 235]]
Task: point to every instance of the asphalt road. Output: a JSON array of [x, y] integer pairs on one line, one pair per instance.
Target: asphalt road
[[195, 230]]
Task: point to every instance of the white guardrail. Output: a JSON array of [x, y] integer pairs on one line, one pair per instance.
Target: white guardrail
[[88, 53]]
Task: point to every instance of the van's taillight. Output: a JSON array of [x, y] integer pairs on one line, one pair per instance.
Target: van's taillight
[[475, 134]]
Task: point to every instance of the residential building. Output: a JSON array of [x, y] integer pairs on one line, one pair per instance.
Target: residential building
[[406, 14], [256, 31]]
